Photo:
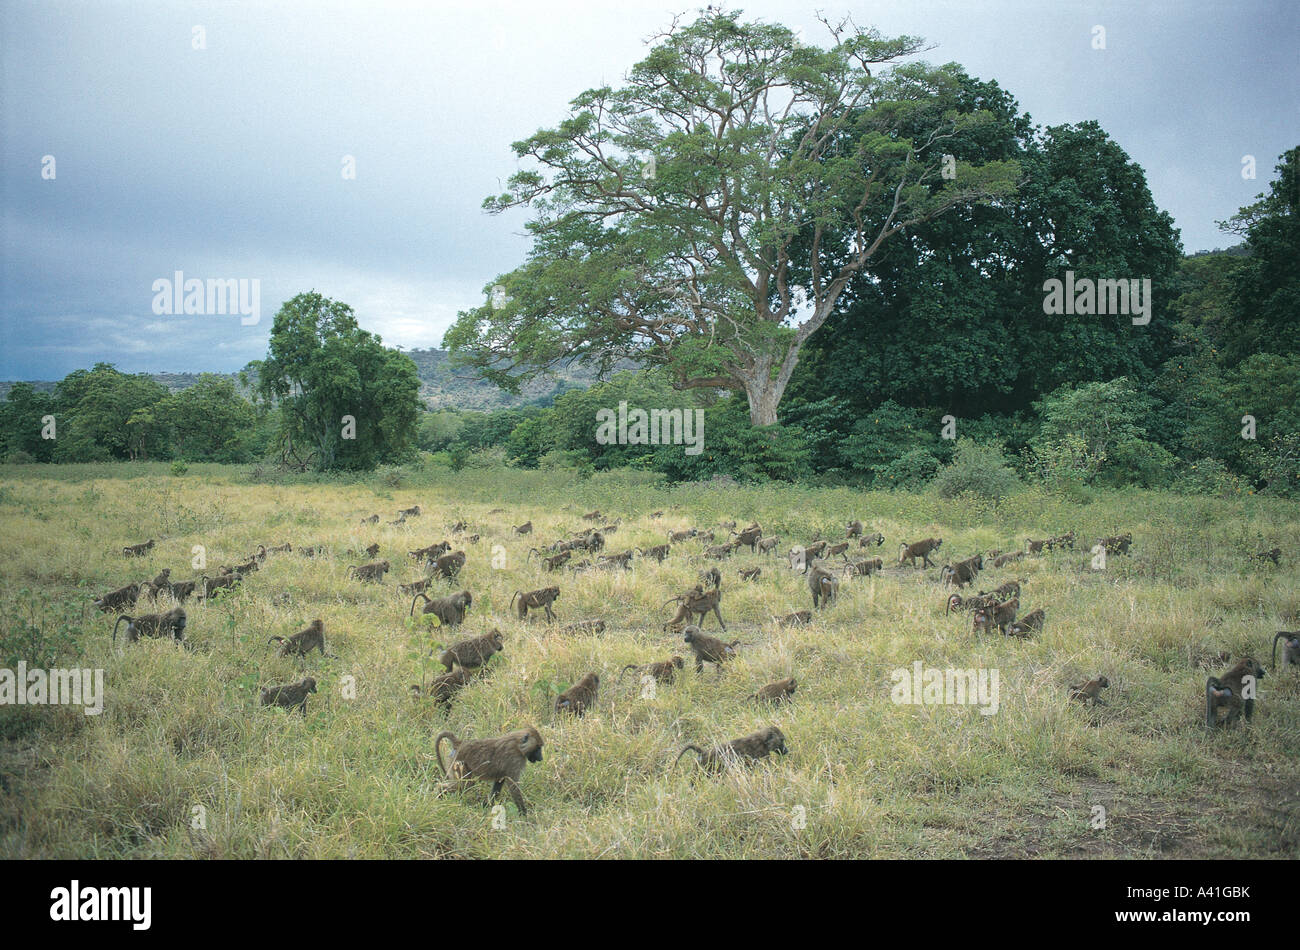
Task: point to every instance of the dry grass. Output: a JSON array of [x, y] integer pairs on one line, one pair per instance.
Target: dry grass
[[868, 778]]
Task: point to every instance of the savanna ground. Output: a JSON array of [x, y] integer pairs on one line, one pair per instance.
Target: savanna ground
[[356, 777]]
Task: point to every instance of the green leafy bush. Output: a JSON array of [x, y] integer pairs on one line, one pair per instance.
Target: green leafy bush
[[977, 469]]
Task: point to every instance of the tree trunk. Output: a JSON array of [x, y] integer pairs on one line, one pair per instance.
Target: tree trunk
[[764, 393]]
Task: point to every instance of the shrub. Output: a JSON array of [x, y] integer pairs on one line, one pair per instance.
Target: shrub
[[912, 469], [980, 469], [179, 468]]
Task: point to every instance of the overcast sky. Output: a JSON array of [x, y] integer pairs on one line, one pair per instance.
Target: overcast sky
[[226, 162]]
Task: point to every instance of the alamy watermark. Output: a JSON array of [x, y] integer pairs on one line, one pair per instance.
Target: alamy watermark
[[946, 687], [656, 427], [1088, 296], [58, 687], [214, 296]]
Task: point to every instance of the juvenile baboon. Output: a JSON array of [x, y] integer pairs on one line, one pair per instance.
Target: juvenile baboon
[[555, 561], [796, 619], [955, 602], [779, 692], [728, 526], [401, 519], [839, 549], [449, 565], [749, 537], [1116, 544], [1035, 547], [718, 551], [1272, 555], [584, 626], [877, 539], [472, 539], [460, 527], [373, 519], [138, 550], [712, 576], [768, 545], [536, 600], [1290, 648], [708, 649], [593, 515], [1090, 692], [415, 587], [814, 550], [999, 615], [921, 549], [656, 514], [854, 529], [658, 552], [676, 536], [500, 761], [412, 512], [579, 696], [705, 537], [1002, 560], [1003, 591], [369, 550], [115, 600], [664, 671], [1062, 541], [374, 571], [432, 552], [963, 572], [181, 590], [444, 687], [823, 585], [449, 610], [215, 585], [243, 570], [745, 750], [289, 696], [525, 528], [1229, 692], [312, 550], [622, 560], [161, 580], [285, 548], [474, 651], [1030, 622], [304, 641], [699, 602], [864, 568], [611, 527], [171, 624], [752, 574]]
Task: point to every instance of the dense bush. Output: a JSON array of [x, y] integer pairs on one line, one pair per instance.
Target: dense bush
[[977, 469]]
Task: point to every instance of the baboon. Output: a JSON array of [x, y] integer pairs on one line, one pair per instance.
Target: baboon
[[814, 550], [697, 601], [171, 624], [285, 548], [525, 528], [369, 551], [963, 572], [823, 585], [289, 696], [728, 526], [1229, 692], [864, 568], [611, 527], [749, 537], [955, 602], [676, 536], [243, 570], [115, 600], [708, 649], [161, 580], [500, 761], [304, 641], [705, 536], [260, 555], [215, 585], [664, 671], [1290, 648], [584, 626], [711, 576], [536, 599], [1062, 541], [747, 750], [312, 550], [658, 552], [415, 587], [1090, 691], [779, 692], [138, 550], [921, 549], [1272, 555], [497, 511], [449, 565], [1116, 544], [555, 561], [796, 619], [854, 529], [999, 615], [656, 514], [623, 560], [460, 527], [593, 515], [401, 519], [839, 549], [877, 539], [374, 571], [444, 687], [1004, 591], [473, 652], [1035, 547], [594, 541], [1003, 560], [750, 575], [472, 539], [373, 519], [412, 512], [432, 552], [1027, 624], [718, 551], [449, 610], [579, 696], [181, 590], [768, 545]]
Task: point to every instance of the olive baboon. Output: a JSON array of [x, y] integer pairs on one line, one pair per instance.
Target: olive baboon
[[746, 750], [536, 600], [473, 652], [500, 761], [171, 624], [1233, 691], [290, 695]]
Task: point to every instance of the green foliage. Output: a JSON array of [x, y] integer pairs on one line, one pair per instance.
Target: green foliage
[[1209, 476], [913, 469], [890, 431], [179, 468], [978, 469]]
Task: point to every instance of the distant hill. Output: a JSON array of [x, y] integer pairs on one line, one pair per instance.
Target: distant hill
[[441, 386]]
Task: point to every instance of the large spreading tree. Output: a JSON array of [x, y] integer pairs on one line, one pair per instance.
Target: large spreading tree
[[707, 215]]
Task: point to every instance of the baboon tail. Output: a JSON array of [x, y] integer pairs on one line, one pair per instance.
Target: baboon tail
[[437, 750], [689, 748]]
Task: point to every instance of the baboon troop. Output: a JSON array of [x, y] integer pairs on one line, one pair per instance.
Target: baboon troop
[[1233, 692], [536, 600], [473, 652], [499, 761], [578, 697], [289, 696], [171, 624], [745, 750]]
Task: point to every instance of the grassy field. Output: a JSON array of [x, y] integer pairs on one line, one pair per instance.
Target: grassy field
[[865, 777]]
